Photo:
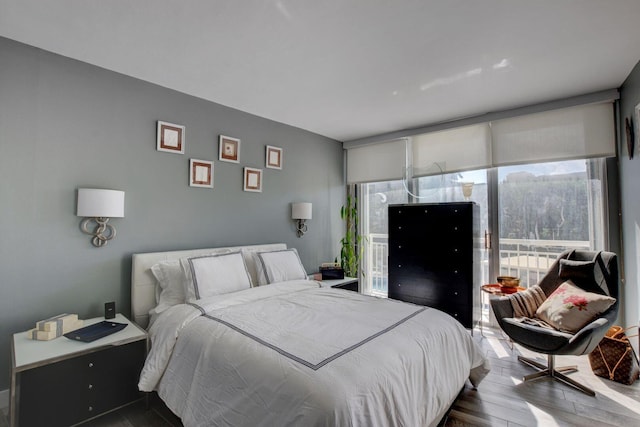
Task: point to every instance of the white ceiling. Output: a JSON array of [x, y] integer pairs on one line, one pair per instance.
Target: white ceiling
[[347, 69]]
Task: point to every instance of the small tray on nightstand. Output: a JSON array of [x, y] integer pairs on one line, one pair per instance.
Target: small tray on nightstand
[[96, 331]]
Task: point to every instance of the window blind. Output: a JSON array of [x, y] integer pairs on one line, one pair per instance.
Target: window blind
[[378, 162], [579, 132], [458, 149]]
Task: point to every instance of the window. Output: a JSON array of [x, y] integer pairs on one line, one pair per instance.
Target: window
[[547, 208], [539, 211], [374, 201], [531, 212]]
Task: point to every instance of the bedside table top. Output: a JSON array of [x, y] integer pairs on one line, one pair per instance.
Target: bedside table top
[[336, 282], [28, 353]]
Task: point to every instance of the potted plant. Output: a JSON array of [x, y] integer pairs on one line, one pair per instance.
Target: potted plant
[[351, 242]]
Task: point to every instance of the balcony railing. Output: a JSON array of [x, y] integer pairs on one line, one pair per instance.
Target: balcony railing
[[377, 253], [527, 259], [530, 259]]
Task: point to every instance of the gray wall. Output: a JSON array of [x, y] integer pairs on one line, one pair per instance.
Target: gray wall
[[630, 202], [66, 124]]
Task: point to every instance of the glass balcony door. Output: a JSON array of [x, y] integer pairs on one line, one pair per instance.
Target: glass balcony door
[[532, 213], [545, 209], [376, 197]]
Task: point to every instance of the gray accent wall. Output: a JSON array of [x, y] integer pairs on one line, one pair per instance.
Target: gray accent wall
[[630, 203], [65, 124]]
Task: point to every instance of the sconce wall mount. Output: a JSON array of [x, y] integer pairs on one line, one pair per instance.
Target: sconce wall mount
[[98, 205], [301, 212]]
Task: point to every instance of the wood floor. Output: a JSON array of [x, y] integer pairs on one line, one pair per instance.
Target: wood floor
[[500, 400]]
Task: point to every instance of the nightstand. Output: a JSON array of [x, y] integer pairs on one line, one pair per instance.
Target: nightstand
[[348, 283], [63, 382]]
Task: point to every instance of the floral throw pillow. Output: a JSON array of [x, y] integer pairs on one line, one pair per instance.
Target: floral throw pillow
[[570, 308]]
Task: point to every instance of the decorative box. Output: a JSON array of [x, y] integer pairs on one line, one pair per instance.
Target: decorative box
[[54, 327], [55, 323], [332, 273], [34, 334]]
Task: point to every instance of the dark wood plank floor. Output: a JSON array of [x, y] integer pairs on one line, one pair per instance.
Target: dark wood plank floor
[[502, 399], [138, 415]]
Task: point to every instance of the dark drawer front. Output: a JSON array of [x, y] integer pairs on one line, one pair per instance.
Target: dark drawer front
[[351, 286], [460, 312], [73, 390], [433, 234], [430, 288]]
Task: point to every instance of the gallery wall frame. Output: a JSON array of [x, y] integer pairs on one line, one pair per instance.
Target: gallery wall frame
[[252, 180], [200, 173], [273, 158], [170, 137], [229, 149]]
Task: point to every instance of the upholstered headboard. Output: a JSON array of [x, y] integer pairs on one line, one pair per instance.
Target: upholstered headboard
[[143, 284]]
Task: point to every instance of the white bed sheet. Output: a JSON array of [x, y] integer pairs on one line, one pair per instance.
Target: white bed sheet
[[296, 354]]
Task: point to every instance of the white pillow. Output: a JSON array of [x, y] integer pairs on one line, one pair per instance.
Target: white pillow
[[279, 266], [570, 308], [170, 289], [215, 274]]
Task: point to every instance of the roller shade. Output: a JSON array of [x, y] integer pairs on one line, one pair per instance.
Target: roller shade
[[579, 132], [378, 162], [454, 150]]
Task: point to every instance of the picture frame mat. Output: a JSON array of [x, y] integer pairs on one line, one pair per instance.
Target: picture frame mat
[[228, 149], [170, 137], [200, 173]]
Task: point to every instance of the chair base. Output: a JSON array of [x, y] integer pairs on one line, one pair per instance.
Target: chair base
[[557, 374]]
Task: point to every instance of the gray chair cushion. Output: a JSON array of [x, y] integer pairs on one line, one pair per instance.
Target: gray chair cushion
[[536, 338], [581, 273]]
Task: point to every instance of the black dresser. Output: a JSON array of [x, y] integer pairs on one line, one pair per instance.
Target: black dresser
[[434, 257]]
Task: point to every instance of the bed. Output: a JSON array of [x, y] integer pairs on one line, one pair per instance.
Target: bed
[[251, 341]]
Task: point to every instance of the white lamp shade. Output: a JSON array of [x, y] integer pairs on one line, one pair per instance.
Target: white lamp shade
[[97, 203], [301, 210]]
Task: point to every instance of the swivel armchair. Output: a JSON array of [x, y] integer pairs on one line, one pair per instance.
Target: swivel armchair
[[603, 279]]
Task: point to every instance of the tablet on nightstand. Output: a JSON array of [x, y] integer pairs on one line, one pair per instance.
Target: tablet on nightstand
[[95, 331]]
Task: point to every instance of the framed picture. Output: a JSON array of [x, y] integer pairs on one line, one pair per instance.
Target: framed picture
[[229, 149], [253, 180], [170, 138], [200, 173], [274, 157]]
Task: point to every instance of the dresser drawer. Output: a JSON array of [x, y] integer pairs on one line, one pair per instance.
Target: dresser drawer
[[70, 391]]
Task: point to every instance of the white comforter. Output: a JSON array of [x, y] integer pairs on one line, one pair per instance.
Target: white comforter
[[296, 354]]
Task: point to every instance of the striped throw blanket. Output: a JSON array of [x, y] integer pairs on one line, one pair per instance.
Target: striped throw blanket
[[526, 303]]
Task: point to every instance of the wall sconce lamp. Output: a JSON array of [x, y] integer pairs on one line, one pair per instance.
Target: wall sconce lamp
[[99, 205], [300, 212]]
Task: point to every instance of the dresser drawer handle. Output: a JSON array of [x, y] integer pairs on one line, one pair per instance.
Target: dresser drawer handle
[[91, 364], [90, 408], [90, 386]]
